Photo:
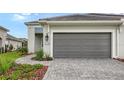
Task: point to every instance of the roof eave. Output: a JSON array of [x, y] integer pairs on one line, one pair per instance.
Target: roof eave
[[28, 23], [114, 22], [5, 29], [14, 40]]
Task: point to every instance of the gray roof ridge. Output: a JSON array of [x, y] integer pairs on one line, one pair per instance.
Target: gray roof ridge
[[69, 15]]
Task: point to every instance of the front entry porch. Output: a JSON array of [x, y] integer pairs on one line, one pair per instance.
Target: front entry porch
[[38, 41]]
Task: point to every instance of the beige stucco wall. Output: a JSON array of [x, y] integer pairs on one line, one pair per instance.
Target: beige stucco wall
[[31, 39], [46, 44], [3, 35]]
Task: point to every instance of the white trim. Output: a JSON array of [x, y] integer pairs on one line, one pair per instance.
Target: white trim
[[115, 22], [32, 24], [118, 32], [51, 44], [37, 26], [113, 44], [48, 28]]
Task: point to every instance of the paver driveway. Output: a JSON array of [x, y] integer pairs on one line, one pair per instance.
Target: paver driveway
[[83, 69]]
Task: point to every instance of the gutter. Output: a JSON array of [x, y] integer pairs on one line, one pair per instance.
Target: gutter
[[115, 22]]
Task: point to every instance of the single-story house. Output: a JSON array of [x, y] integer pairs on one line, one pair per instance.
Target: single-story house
[[7, 39], [16, 42], [88, 35]]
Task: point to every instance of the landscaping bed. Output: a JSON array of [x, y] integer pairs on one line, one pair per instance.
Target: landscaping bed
[[9, 70], [41, 56], [24, 72]]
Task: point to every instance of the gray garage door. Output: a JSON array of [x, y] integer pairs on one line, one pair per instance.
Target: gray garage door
[[82, 45]]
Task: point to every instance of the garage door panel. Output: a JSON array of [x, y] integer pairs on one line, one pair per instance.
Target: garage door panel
[[73, 55], [71, 41], [85, 49], [91, 45]]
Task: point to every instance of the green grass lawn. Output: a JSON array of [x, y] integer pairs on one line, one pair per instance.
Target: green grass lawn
[[9, 70], [7, 60], [11, 56]]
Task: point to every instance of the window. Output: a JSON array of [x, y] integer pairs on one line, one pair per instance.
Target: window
[[38, 29]]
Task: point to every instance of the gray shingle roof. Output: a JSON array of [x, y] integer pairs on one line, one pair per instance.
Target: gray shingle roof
[[80, 17], [103, 14], [10, 37], [3, 28]]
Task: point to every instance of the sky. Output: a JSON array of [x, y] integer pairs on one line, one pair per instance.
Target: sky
[[15, 21]]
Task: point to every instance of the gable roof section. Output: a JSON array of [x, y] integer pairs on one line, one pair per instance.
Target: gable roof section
[[3, 28], [80, 17]]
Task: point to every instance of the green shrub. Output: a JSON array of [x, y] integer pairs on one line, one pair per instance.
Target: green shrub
[[23, 51], [27, 67], [15, 75], [6, 48], [11, 47], [2, 50], [37, 66], [47, 57], [4, 65], [3, 77], [39, 55]]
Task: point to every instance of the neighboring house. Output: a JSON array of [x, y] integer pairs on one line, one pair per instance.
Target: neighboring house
[[24, 42], [7, 39], [3, 35], [78, 36], [16, 42]]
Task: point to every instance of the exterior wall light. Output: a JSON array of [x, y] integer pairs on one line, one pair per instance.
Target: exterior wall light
[[47, 37]]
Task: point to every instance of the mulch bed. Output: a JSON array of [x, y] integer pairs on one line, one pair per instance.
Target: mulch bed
[[43, 59], [119, 59], [40, 73]]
